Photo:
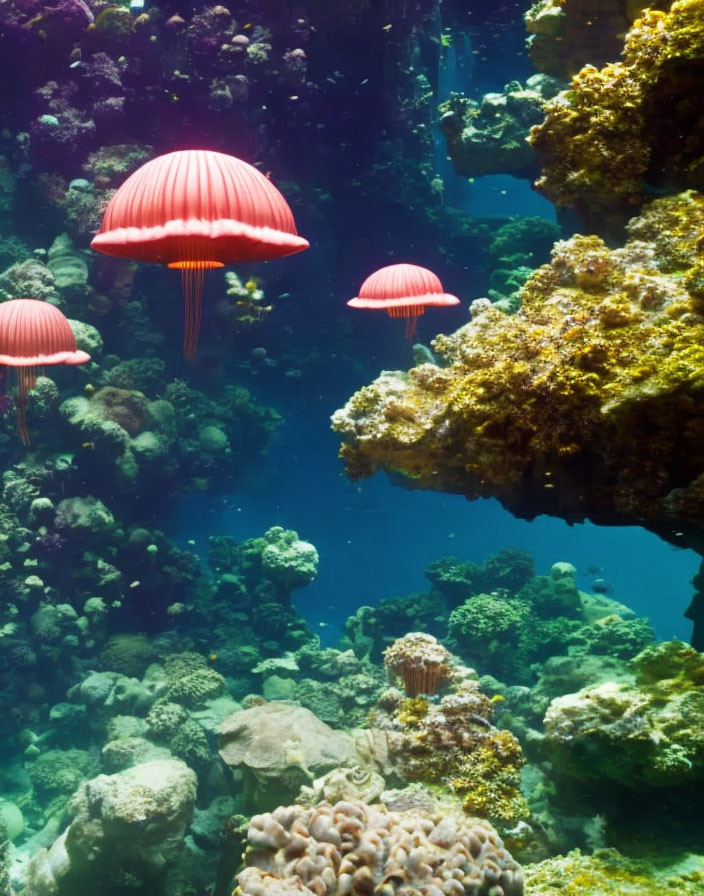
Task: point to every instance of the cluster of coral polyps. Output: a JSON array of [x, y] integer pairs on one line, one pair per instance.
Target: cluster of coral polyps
[[586, 404], [354, 848], [630, 124], [421, 662]]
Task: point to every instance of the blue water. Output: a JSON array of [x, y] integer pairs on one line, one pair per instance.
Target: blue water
[[375, 539]]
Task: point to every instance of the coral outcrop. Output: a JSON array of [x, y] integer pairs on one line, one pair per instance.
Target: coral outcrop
[[586, 404], [564, 35], [491, 137], [276, 748], [631, 126], [608, 873], [642, 734], [453, 745]]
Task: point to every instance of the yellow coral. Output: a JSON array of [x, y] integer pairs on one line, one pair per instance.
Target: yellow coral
[[604, 363], [598, 138]]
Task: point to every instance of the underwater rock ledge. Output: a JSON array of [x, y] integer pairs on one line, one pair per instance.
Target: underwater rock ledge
[[586, 404]]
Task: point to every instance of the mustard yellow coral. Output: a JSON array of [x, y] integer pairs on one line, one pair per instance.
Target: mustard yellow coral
[[584, 404], [632, 123]]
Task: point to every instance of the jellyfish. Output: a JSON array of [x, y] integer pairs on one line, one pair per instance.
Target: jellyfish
[[404, 290], [196, 210], [32, 335]]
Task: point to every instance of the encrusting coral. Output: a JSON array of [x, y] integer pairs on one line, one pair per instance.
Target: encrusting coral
[[566, 34], [453, 745], [608, 873], [642, 734], [632, 124], [581, 405], [420, 660], [356, 849]]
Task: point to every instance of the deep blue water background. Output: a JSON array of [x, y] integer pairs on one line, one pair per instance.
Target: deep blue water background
[[374, 538]]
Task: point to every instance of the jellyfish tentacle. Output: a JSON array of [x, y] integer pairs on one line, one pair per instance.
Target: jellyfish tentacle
[[192, 280], [26, 381]]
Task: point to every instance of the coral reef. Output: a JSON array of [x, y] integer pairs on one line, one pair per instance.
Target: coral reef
[[642, 734], [452, 744], [491, 137], [560, 44], [360, 848], [580, 405], [631, 126]]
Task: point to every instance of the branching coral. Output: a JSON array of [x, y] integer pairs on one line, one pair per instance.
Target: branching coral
[[585, 404]]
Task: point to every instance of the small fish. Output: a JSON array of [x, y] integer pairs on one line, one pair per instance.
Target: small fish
[[497, 698], [247, 26], [191, 541], [387, 27], [322, 625], [601, 586], [135, 584], [88, 446]]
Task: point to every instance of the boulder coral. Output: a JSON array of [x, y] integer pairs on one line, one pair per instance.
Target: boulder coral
[[351, 847], [585, 404], [641, 734], [134, 819], [491, 137], [631, 125]]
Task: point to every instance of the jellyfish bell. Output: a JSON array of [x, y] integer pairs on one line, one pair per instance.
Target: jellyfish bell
[[403, 290], [195, 210], [34, 334]]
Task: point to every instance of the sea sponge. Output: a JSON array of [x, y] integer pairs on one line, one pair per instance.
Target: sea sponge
[[420, 660], [356, 849]]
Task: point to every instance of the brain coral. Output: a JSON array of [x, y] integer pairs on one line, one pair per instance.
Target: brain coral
[[586, 404], [353, 849], [631, 124]]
